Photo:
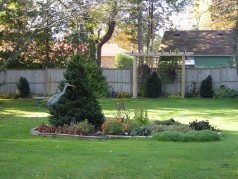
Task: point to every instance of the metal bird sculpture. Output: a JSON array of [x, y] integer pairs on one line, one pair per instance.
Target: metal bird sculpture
[[55, 98]]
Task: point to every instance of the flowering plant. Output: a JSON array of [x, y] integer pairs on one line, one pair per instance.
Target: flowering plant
[[114, 126]]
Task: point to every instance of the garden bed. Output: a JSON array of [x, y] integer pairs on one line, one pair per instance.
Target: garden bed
[[168, 130], [97, 137]]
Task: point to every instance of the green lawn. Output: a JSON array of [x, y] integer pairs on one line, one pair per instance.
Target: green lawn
[[26, 156]]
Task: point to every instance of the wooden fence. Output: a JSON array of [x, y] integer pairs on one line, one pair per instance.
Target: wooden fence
[[45, 82], [220, 76]]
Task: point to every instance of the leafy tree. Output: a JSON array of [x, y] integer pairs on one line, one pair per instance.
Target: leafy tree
[[22, 21], [224, 14], [215, 15], [106, 37], [34, 25], [48, 20], [120, 38], [78, 103], [146, 18]]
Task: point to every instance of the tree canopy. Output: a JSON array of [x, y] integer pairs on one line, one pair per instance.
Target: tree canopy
[[35, 33]]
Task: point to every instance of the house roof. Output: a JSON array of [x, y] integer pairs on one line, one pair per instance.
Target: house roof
[[209, 42], [111, 50]]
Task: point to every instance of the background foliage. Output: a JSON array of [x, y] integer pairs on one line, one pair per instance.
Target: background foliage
[[123, 61]]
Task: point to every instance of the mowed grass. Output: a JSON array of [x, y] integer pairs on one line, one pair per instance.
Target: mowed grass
[[26, 156]]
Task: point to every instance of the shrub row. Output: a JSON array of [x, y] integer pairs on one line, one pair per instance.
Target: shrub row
[[224, 92], [196, 136], [206, 90]]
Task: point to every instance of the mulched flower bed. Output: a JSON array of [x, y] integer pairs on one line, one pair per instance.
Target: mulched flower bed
[[51, 131]]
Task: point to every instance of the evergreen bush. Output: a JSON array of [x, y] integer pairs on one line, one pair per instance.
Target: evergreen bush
[[23, 88], [79, 102], [206, 90], [96, 79], [154, 86]]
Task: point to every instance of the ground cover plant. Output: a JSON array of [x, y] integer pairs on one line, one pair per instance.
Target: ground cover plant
[[26, 156]]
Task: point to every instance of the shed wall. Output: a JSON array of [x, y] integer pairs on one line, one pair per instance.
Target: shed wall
[[213, 62]]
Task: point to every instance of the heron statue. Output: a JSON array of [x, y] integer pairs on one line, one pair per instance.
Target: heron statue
[[55, 98]]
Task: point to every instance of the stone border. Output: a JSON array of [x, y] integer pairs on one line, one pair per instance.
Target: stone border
[[37, 133]]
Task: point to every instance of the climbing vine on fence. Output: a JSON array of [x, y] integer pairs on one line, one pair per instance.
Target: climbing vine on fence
[[168, 68]]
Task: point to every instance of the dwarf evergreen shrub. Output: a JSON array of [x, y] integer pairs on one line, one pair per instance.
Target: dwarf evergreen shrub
[[23, 88], [206, 90], [154, 86], [96, 79], [79, 102]]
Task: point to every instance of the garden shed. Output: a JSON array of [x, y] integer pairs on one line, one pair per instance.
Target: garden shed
[[211, 48]]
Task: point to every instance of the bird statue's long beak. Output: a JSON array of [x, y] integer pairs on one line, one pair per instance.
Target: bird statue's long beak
[[71, 85]]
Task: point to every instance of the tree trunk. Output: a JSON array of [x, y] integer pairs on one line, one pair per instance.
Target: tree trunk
[[2, 4], [150, 34], [107, 36], [19, 48], [140, 28], [152, 26], [47, 38], [236, 45]]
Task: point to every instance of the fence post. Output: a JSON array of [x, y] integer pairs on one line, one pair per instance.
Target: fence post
[[183, 77], [4, 82], [46, 81], [135, 77], [220, 76], [131, 81]]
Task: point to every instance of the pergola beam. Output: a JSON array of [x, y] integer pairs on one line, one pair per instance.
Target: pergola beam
[[136, 55]]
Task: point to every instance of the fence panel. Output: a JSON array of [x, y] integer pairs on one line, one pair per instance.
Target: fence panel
[[119, 79], [45, 82]]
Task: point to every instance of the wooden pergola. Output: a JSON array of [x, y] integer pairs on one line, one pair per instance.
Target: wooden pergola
[[136, 55]]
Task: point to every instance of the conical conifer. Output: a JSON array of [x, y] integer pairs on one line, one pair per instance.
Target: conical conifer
[[79, 102]]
